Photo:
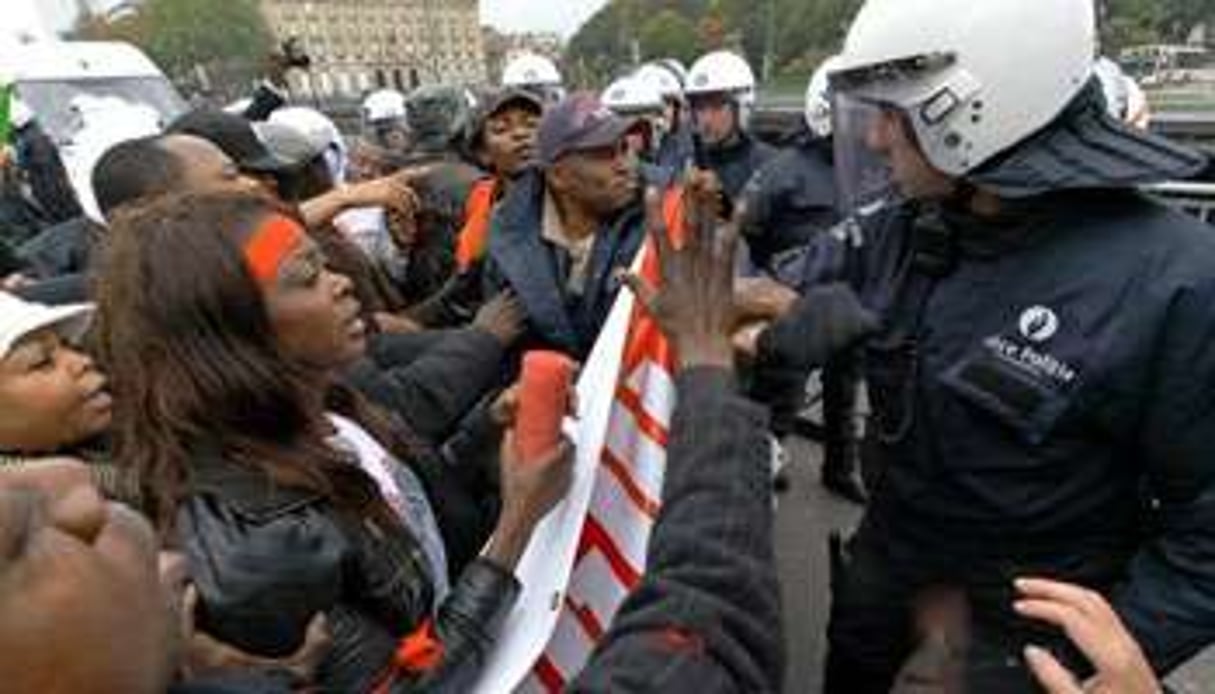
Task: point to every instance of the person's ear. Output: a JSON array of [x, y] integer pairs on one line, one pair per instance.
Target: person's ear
[[560, 176]]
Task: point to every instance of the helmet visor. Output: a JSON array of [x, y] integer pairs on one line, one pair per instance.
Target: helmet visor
[[862, 174]]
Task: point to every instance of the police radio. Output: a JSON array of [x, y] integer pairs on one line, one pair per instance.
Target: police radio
[[934, 243]]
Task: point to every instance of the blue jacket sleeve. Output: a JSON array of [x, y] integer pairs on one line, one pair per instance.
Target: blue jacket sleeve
[[706, 617], [1169, 599]]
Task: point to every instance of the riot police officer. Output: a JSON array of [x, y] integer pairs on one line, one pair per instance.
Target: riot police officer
[[791, 201], [384, 122], [1041, 374], [668, 76], [537, 74], [721, 94]]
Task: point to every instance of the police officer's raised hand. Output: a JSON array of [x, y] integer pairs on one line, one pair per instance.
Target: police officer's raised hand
[[1089, 621], [694, 305]]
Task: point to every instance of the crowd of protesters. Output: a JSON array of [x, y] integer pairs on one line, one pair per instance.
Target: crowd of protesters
[[258, 420]]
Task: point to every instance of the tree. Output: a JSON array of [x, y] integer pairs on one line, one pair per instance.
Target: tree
[[808, 30], [712, 31], [1179, 17], [229, 40], [669, 35]]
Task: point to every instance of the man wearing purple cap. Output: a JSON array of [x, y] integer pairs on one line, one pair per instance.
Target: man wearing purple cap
[[568, 225]]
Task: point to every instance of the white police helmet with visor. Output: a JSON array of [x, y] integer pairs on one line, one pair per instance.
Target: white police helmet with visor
[[978, 83]]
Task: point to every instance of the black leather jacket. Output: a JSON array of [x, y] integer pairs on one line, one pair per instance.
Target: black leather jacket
[[266, 559]]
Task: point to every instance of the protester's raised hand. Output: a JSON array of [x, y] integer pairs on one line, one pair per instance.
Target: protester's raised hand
[[503, 317], [1093, 626], [394, 192], [530, 489], [694, 305]]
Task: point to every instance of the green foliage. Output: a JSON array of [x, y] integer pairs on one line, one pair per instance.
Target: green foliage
[[802, 32], [229, 38], [1179, 17], [670, 34]]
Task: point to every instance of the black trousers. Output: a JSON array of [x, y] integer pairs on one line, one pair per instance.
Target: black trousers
[[871, 630]]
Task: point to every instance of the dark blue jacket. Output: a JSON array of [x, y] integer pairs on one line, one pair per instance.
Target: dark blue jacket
[[676, 150], [790, 200], [521, 260], [1044, 400], [736, 162], [63, 249]]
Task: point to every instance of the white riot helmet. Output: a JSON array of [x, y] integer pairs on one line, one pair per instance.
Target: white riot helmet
[[1138, 109], [534, 73], [1125, 100], [946, 65], [638, 99], [385, 121], [1015, 127], [631, 96], [661, 78], [676, 68], [723, 72], [384, 105], [818, 99]]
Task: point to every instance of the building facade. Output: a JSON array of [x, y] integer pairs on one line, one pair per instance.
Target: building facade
[[360, 45]]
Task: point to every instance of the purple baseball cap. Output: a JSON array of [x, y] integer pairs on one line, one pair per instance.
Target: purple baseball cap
[[579, 122]]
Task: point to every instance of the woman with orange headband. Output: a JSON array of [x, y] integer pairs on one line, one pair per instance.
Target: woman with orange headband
[[224, 332]]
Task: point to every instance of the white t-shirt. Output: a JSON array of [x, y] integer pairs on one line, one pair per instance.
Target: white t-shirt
[[401, 489]]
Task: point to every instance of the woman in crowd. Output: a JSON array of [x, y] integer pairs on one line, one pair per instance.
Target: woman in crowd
[[225, 331]]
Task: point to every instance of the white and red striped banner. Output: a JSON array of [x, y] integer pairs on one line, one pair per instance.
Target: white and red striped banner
[[590, 552]]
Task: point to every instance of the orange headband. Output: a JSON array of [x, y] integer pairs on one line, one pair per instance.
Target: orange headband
[[270, 245]]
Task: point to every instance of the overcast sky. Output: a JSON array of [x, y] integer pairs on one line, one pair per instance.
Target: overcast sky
[[561, 16]]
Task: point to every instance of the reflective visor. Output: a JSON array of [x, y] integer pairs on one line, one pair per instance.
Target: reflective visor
[[862, 174], [898, 82]]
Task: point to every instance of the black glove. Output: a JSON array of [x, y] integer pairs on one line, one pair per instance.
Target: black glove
[[826, 320]]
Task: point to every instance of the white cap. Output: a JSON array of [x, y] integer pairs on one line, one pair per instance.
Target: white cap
[[20, 318], [319, 128]]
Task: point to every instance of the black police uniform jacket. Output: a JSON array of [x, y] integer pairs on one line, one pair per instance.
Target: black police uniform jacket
[[1044, 398], [790, 200]]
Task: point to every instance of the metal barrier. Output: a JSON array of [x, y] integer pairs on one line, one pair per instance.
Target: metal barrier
[[1197, 199]]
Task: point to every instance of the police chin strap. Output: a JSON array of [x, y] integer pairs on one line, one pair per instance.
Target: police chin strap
[[937, 246]]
